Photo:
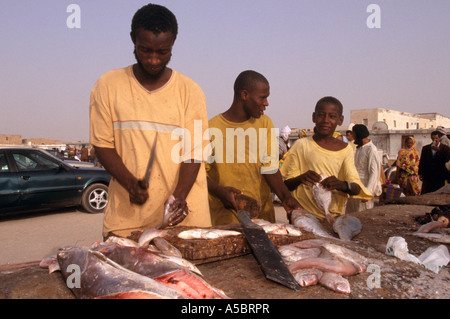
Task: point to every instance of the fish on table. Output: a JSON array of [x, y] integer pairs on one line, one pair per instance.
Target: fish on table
[[101, 277], [117, 269], [207, 233], [435, 231], [144, 261], [278, 228], [347, 227], [318, 261], [308, 222], [335, 282]]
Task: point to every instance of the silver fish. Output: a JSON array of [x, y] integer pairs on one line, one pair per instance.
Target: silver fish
[[168, 212], [335, 282], [347, 227], [308, 222], [166, 248], [207, 233], [100, 276], [122, 241], [186, 264], [281, 229], [322, 197], [148, 235], [144, 261]]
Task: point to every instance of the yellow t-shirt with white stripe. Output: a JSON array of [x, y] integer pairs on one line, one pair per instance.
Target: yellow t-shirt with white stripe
[[127, 117]]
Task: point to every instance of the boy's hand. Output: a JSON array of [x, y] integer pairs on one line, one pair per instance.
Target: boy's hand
[[332, 182], [310, 178]]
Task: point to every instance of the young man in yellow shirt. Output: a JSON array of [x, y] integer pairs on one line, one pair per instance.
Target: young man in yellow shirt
[[132, 107], [245, 154], [323, 154]]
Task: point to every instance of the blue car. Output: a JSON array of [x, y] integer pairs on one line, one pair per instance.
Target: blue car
[[32, 179]]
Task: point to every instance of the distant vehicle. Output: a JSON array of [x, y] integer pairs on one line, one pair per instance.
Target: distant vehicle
[[32, 179], [74, 161]]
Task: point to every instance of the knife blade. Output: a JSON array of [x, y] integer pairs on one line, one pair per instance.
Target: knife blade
[[145, 181], [265, 253]]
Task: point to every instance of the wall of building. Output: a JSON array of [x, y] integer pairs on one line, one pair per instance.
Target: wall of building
[[396, 120], [10, 139]]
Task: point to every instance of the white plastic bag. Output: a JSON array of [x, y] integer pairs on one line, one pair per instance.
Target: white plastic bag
[[398, 247], [434, 258]]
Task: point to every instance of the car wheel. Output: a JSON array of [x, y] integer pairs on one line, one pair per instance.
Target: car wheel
[[95, 198]]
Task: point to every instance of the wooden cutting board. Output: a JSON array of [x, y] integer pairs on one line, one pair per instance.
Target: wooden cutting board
[[201, 251]]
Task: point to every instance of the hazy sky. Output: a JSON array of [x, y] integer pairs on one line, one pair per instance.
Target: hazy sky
[[306, 48]]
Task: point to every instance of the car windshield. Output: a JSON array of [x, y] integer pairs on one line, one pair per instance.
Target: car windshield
[[3, 163], [33, 161]]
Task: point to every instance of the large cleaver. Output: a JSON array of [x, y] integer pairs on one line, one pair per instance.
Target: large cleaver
[[266, 254]]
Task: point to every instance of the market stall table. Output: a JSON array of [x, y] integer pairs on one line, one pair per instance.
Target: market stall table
[[241, 278]]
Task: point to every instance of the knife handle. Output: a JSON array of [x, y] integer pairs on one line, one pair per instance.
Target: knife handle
[[143, 184]]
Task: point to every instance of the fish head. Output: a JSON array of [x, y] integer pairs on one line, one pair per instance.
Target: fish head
[[72, 255]]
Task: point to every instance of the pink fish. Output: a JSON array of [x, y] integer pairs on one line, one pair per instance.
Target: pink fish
[[325, 264], [307, 277], [431, 226], [335, 282], [191, 285]]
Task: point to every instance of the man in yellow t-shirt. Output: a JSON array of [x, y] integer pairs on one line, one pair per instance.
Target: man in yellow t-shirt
[[323, 154], [132, 107], [245, 154]]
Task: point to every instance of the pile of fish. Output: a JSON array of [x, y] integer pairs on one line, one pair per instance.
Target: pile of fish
[[120, 268], [318, 261], [345, 226], [214, 233]]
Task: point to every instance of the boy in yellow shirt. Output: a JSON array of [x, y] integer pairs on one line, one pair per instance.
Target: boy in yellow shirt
[[323, 154]]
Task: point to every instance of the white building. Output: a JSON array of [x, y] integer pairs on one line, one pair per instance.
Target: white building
[[396, 120]]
